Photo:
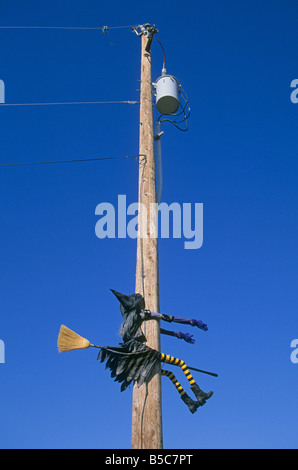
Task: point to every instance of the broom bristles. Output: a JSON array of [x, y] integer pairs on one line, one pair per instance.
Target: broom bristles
[[68, 340]]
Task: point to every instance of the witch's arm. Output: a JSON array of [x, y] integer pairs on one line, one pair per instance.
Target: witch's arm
[[178, 334], [169, 318], [148, 315]]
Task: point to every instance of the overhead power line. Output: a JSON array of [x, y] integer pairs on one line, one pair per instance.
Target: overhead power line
[[76, 160], [49, 27], [67, 27], [69, 102]]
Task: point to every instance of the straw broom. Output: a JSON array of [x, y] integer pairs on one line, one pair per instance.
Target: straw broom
[[68, 340]]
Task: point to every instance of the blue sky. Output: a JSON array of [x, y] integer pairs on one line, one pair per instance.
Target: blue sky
[[236, 61]]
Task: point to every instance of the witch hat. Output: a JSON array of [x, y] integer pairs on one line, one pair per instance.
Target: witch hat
[[124, 300], [128, 303]]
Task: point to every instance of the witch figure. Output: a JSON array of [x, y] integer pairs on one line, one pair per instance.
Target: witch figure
[[133, 361]]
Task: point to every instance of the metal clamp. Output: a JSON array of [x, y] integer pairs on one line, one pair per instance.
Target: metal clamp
[[148, 31]]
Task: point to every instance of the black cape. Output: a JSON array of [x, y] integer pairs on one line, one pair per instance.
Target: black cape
[[132, 361]]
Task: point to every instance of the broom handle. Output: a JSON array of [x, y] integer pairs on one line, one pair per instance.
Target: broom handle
[[204, 371], [191, 368]]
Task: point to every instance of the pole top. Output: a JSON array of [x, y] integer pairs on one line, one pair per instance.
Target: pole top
[[145, 29], [148, 31]]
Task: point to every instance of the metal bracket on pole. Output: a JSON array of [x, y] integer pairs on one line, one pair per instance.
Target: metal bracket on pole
[[148, 31]]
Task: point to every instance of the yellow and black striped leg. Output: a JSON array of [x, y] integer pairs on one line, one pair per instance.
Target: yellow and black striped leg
[[192, 405], [200, 395], [173, 379]]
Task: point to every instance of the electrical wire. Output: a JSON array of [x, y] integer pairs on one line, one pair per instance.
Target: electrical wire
[[175, 121], [69, 102], [76, 160], [122, 27], [164, 54], [49, 27], [67, 27], [174, 124], [105, 30], [142, 415], [142, 164]]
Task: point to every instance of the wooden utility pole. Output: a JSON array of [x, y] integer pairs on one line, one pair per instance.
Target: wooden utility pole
[[146, 410]]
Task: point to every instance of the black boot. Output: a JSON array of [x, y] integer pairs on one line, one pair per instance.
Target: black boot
[[192, 405], [200, 395]]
